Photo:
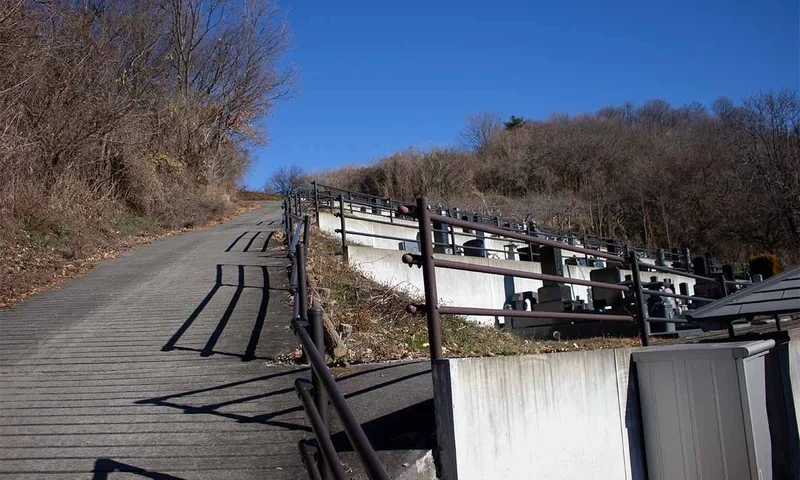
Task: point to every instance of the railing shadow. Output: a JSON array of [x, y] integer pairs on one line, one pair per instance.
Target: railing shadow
[[104, 466], [249, 245], [240, 286], [396, 427], [183, 401]]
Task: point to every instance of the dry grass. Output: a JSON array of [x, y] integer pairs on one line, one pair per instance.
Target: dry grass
[[382, 330], [36, 260]]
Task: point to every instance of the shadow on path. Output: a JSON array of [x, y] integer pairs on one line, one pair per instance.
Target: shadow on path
[[104, 466], [240, 285], [183, 401], [251, 241]]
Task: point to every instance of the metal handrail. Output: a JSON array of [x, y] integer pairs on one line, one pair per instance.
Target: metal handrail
[[370, 220], [358, 439], [319, 427], [677, 295], [296, 236], [543, 230], [375, 235], [410, 259], [525, 238], [491, 312], [315, 395], [676, 272], [428, 262]]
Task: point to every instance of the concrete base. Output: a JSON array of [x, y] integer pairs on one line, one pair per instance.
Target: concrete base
[[566, 415]]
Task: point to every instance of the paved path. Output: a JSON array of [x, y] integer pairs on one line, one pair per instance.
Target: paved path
[[154, 365]]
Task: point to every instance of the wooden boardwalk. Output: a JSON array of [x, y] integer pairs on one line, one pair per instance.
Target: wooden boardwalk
[[155, 365]]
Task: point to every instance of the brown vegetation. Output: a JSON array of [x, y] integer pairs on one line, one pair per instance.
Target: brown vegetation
[[726, 182], [118, 118]]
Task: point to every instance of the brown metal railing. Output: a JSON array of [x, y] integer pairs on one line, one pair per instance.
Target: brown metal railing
[[326, 197], [429, 262], [344, 203], [322, 390]]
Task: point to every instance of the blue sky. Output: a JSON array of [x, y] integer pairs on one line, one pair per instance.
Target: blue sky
[[376, 77]]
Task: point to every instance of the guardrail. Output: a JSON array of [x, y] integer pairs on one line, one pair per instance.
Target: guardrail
[[322, 390], [341, 202], [428, 262]]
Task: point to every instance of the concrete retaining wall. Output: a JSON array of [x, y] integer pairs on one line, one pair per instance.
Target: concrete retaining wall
[[566, 415], [455, 287], [467, 289], [330, 223], [408, 230]]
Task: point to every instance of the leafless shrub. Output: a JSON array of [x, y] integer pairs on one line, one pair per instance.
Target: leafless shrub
[[131, 108]]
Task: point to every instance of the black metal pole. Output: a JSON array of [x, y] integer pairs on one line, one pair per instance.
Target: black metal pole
[[352, 428], [315, 321], [342, 228], [722, 284], [308, 459], [302, 286], [305, 229], [638, 295], [321, 433], [289, 228], [429, 279]]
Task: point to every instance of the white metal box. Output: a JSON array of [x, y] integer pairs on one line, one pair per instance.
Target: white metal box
[[704, 411]]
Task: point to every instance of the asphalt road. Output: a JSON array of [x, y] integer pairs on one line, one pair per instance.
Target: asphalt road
[[157, 364]]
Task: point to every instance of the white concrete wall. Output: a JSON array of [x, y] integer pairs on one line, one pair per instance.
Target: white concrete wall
[[565, 415], [466, 289], [399, 229], [794, 369]]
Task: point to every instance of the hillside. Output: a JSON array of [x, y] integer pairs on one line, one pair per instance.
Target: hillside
[[724, 181], [122, 120]]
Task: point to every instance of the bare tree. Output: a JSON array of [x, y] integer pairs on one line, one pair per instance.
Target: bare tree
[[286, 180], [725, 181], [478, 131]]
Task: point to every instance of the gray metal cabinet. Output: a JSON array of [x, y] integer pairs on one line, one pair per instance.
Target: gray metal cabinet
[[704, 411]]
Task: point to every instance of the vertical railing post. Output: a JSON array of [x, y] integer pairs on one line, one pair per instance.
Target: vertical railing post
[[302, 278], [342, 227], [453, 246], [316, 201], [305, 230], [638, 294], [315, 321], [289, 224], [429, 279], [285, 221], [722, 285]]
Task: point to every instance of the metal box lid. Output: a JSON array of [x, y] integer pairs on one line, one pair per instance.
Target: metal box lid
[[697, 351]]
